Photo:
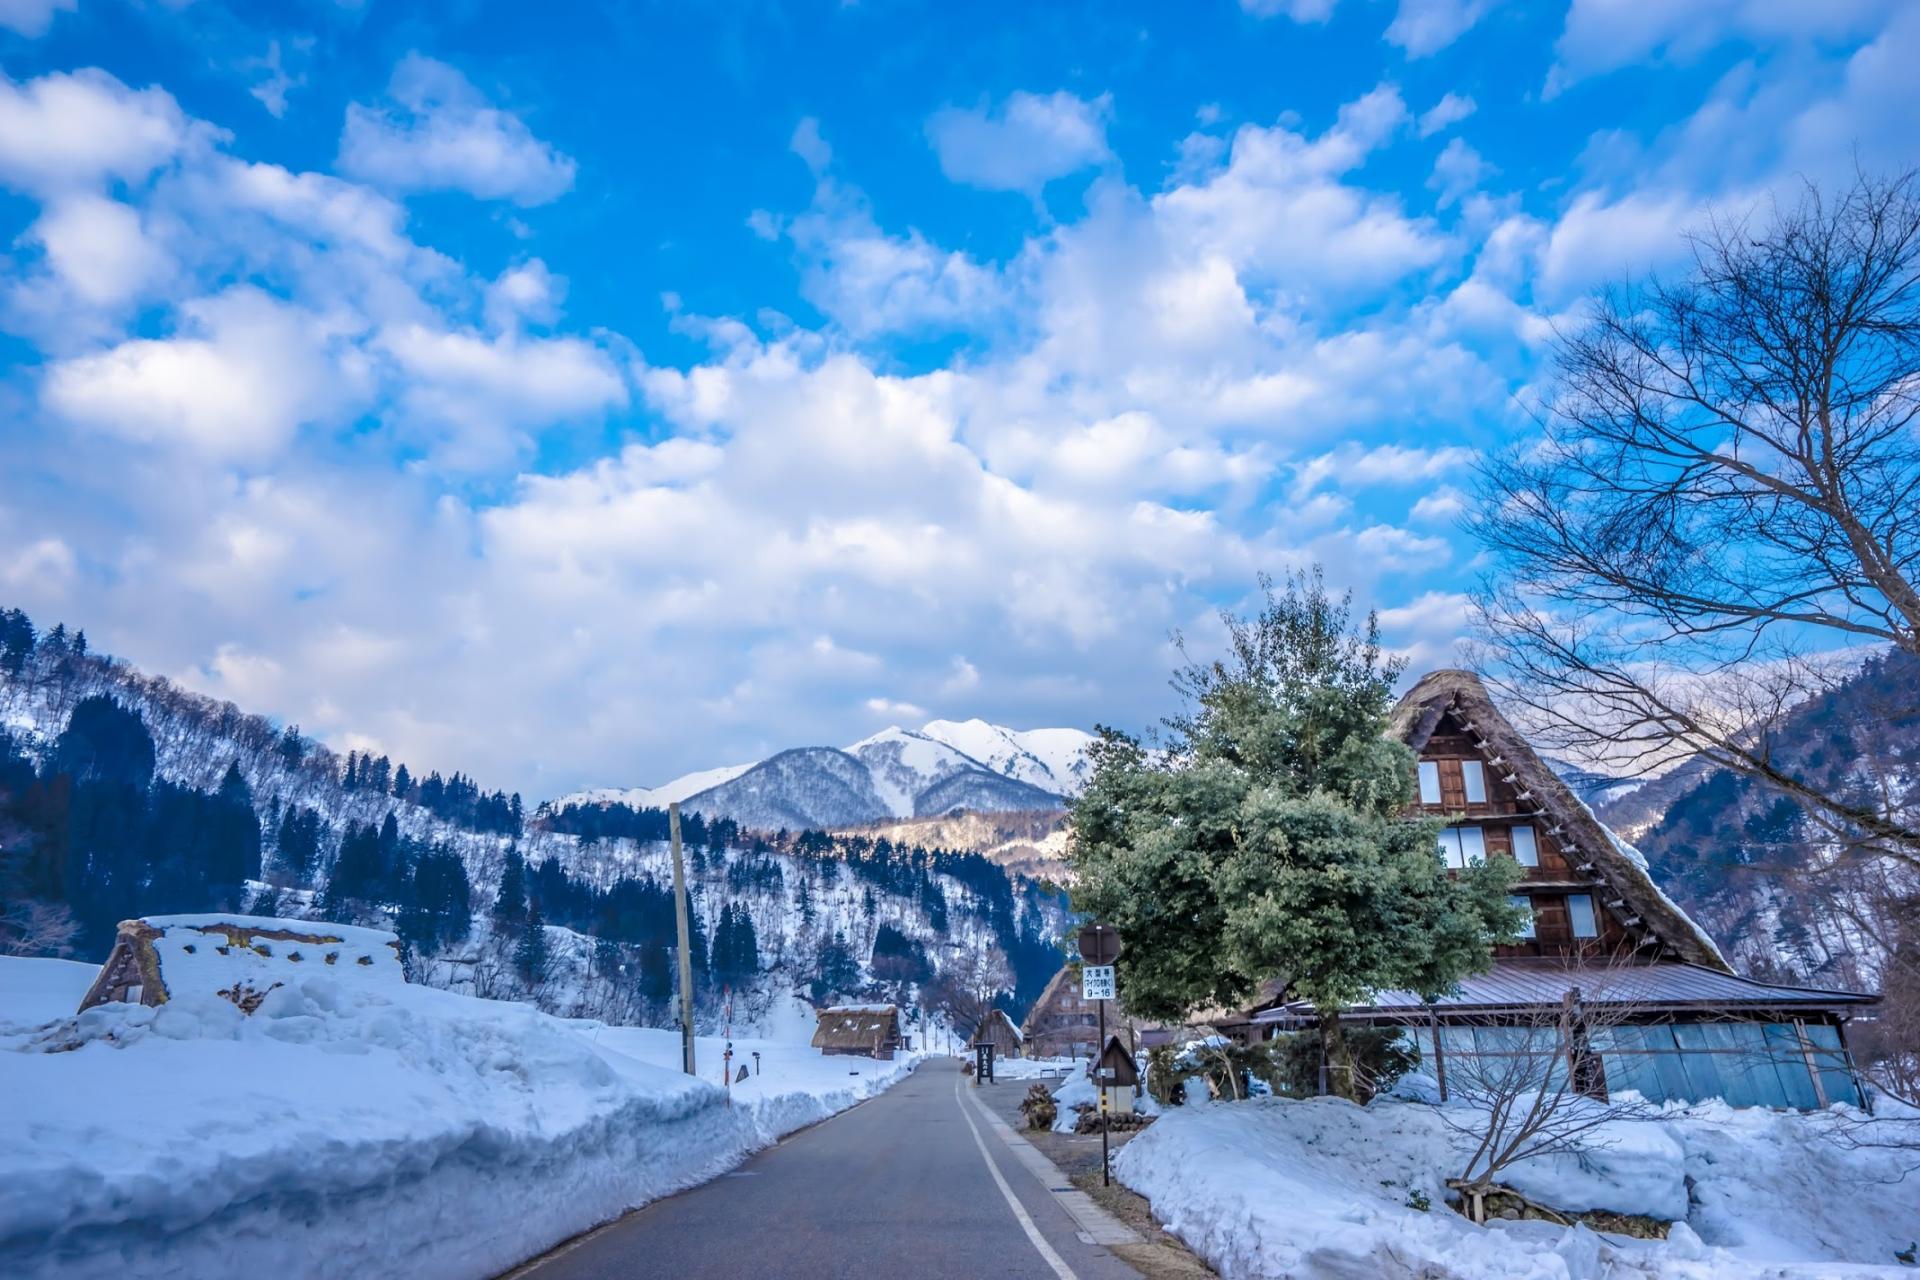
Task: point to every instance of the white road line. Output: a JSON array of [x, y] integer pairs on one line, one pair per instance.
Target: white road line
[[1054, 1260]]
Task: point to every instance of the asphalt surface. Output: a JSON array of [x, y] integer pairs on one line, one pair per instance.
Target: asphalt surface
[[897, 1186]]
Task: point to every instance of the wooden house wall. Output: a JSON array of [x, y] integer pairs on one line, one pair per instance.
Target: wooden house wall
[[1547, 884]]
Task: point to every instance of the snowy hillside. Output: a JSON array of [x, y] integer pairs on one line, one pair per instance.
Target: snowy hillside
[[944, 767], [568, 907]]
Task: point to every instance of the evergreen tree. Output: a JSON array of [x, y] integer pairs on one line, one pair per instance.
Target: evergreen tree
[[79, 644], [510, 904], [292, 748], [803, 899], [836, 972], [532, 956], [104, 742], [402, 782], [16, 641], [1268, 839], [233, 847]]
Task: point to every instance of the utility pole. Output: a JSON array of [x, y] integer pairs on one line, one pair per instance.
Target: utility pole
[[686, 941]]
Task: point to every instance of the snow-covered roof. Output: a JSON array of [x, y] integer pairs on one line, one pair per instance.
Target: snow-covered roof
[[859, 1008], [237, 956]]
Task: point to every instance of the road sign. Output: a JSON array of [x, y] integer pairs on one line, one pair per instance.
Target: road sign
[[1097, 982], [1099, 944]]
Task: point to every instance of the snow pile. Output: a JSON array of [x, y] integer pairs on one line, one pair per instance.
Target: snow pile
[[1273, 1187], [34, 992], [363, 1128]]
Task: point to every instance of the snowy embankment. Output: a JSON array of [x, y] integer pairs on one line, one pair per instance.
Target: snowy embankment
[[354, 1128], [1272, 1187]]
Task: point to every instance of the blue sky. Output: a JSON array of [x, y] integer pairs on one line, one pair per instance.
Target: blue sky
[[582, 394]]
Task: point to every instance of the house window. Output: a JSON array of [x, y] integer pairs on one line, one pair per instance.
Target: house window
[[1580, 911], [1525, 904], [1474, 775], [1525, 851], [1429, 782], [1460, 847]]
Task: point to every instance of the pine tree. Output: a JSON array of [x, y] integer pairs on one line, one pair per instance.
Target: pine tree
[[531, 956], [402, 782], [1268, 839], [16, 641], [510, 905]]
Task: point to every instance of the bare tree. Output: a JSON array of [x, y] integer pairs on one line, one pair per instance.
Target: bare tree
[[1534, 1086], [31, 927], [1726, 499], [967, 988]]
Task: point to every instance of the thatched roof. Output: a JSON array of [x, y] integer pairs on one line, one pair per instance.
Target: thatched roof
[[997, 1027], [240, 958], [865, 1027], [1589, 846], [1048, 995]]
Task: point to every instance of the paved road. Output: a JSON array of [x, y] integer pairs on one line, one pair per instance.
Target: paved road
[[898, 1186]]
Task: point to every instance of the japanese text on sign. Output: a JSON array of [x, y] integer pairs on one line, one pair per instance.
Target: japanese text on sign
[[1097, 982]]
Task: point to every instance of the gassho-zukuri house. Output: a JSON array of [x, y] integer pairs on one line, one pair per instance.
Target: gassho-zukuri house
[[1669, 1018]]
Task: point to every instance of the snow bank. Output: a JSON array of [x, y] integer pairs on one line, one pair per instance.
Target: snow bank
[[34, 991], [1273, 1187], [350, 1128]]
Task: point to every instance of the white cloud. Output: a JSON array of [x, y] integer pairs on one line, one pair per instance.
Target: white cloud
[[1450, 110], [1024, 144], [1352, 466], [248, 372], [446, 136], [1457, 171], [474, 400], [1605, 35], [1279, 210], [895, 710], [871, 283], [1424, 27], [1442, 505], [81, 129], [96, 246], [32, 17], [1298, 10], [47, 562], [1598, 239]]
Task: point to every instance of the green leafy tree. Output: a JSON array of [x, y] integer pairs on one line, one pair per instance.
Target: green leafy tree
[[1270, 837]]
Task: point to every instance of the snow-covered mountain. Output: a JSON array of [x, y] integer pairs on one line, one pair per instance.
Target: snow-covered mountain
[[943, 767]]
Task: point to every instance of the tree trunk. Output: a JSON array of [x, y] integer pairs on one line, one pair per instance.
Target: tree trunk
[[1340, 1069]]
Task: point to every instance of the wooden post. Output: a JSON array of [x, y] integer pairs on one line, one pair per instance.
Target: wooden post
[[686, 941], [1439, 1054]]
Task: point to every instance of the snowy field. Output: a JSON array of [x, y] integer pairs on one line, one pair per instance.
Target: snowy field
[[1272, 1187], [355, 1127]]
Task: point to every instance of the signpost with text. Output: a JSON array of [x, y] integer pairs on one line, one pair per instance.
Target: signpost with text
[[1099, 948]]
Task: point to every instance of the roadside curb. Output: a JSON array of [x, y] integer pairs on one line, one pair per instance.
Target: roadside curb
[[1097, 1226]]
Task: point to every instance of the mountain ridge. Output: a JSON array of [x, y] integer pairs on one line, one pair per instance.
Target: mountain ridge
[[898, 773]]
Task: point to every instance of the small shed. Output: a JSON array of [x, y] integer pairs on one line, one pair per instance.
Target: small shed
[[997, 1029], [238, 958], [866, 1030]]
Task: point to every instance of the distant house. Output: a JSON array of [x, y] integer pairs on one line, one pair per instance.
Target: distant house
[[998, 1030], [867, 1030], [1669, 1018], [1063, 1025], [239, 958]]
